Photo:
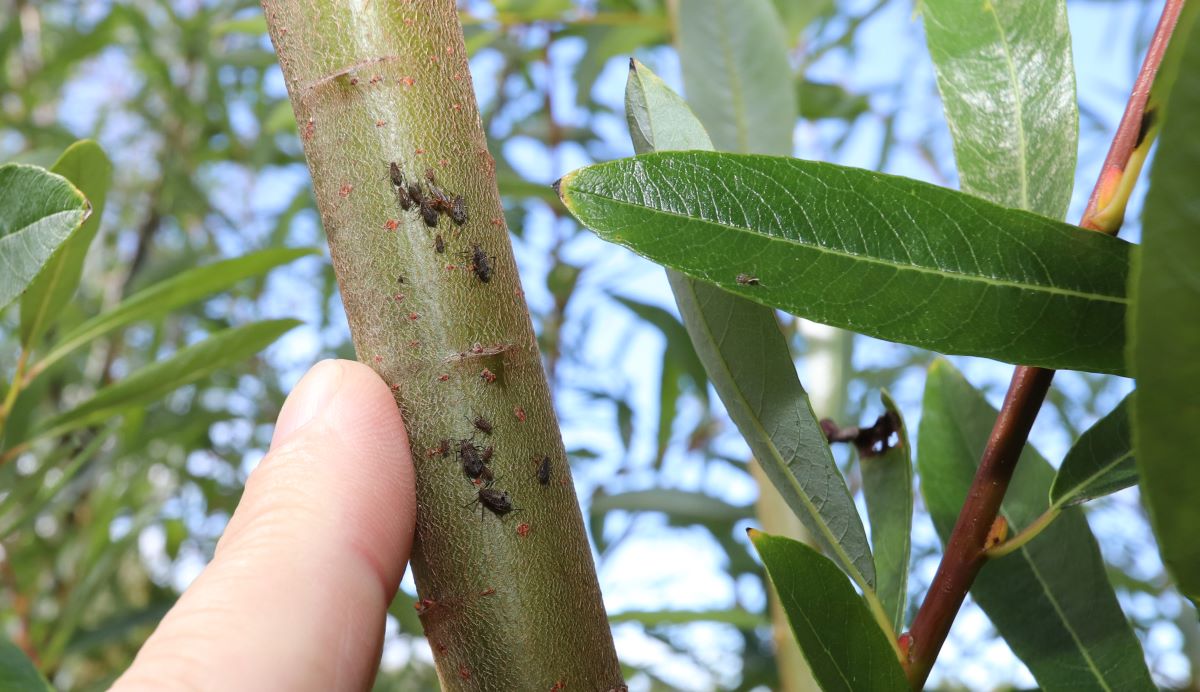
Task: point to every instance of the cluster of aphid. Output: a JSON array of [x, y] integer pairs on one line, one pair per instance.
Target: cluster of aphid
[[432, 203], [474, 460]]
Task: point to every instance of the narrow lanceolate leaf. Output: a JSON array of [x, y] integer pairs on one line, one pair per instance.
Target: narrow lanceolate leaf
[[86, 166], [888, 491], [1099, 463], [1165, 331], [1050, 599], [1008, 86], [147, 385], [17, 672], [734, 55], [886, 256], [38, 212], [844, 646], [749, 363], [163, 297]]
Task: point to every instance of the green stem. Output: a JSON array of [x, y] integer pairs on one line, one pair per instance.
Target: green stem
[[512, 601], [1027, 534]]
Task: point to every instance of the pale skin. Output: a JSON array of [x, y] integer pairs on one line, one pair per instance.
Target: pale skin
[[297, 592]]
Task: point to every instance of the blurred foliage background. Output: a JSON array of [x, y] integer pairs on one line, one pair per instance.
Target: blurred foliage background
[[101, 531]]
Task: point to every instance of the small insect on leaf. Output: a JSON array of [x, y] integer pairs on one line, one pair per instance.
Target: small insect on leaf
[[747, 280], [483, 425], [395, 174], [543, 471], [439, 245]]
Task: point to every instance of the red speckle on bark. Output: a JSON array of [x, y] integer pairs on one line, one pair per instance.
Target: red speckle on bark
[[408, 82], [487, 592], [398, 297], [522, 530], [391, 224], [464, 673], [345, 190], [420, 151], [444, 377], [378, 359], [380, 123], [413, 316], [309, 128], [487, 376], [519, 412]]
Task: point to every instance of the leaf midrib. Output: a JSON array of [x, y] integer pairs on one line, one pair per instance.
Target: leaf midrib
[[1015, 85], [1066, 498], [942, 273]]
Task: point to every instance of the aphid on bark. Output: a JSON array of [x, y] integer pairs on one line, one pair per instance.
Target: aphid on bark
[[395, 174], [473, 464], [443, 448], [481, 264], [487, 453], [428, 212], [439, 245], [403, 198], [543, 472], [458, 210], [483, 425], [498, 501], [747, 280]]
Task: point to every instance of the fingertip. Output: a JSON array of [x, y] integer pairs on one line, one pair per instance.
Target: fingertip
[[313, 554]]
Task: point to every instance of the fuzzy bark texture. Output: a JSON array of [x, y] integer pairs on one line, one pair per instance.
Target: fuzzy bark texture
[[509, 601]]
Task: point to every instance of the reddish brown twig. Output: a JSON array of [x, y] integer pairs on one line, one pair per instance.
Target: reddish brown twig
[[964, 556]]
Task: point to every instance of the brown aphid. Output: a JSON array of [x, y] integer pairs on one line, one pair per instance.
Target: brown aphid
[[747, 280], [483, 425], [471, 458], [443, 448], [429, 212], [481, 264], [543, 471], [458, 210], [404, 199], [439, 245], [395, 174], [487, 453], [498, 501]]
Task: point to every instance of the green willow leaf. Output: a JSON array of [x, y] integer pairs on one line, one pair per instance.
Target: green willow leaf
[[844, 646], [887, 480], [17, 672], [736, 74], [1099, 463], [682, 506], [163, 297], [152, 382], [750, 365], [1050, 599], [1008, 86], [1164, 331], [889, 257], [87, 167], [39, 210], [738, 617]]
